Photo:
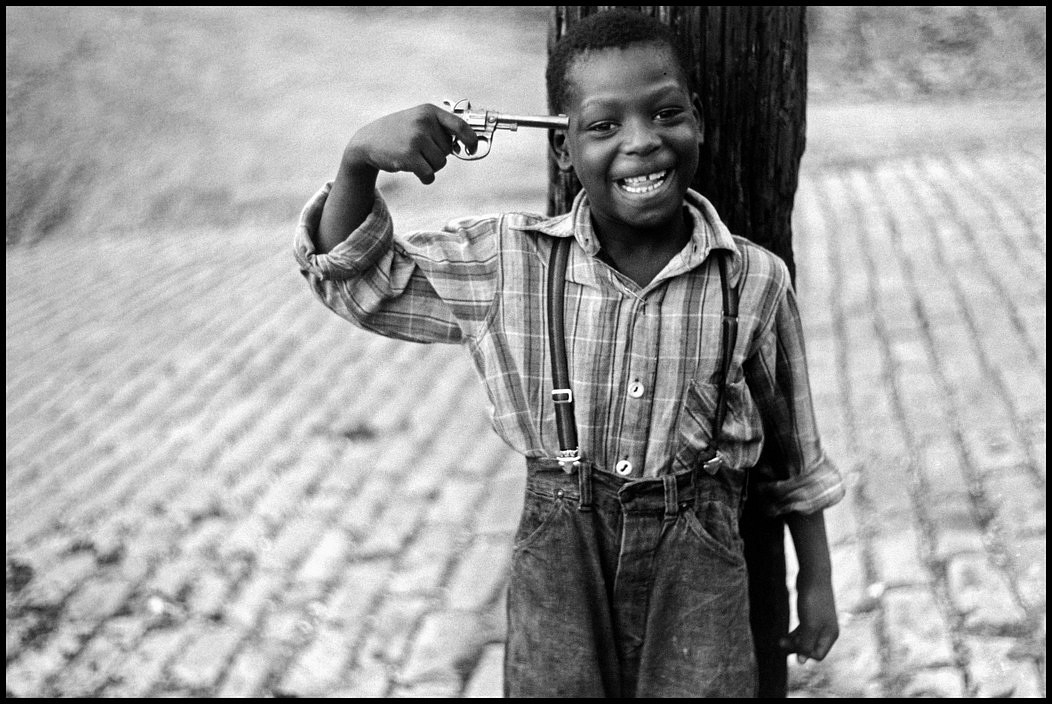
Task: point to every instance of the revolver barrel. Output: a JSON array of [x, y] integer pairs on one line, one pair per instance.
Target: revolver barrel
[[551, 122]]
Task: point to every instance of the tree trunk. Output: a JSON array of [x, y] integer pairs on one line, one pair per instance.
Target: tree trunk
[[749, 68]]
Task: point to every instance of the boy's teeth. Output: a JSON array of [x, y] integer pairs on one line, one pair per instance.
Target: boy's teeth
[[644, 184], [643, 179]]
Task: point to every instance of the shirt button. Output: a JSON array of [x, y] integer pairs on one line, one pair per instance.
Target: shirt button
[[624, 467], [636, 389]]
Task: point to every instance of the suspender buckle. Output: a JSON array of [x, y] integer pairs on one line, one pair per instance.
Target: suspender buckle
[[569, 459], [713, 464], [562, 395]]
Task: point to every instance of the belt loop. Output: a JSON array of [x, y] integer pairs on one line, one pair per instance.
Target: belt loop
[[671, 498], [584, 478]]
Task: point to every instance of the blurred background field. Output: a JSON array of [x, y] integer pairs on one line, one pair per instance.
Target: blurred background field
[[152, 120]]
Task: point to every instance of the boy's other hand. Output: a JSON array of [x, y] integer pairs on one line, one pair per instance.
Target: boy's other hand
[[416, 140], [818, 628]]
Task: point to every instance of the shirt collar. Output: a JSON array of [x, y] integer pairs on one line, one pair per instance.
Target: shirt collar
[[709, 233]]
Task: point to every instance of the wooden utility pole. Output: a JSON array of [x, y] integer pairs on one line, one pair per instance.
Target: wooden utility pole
[[749, 67]]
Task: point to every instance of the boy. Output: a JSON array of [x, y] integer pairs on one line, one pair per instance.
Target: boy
[[628, 577]]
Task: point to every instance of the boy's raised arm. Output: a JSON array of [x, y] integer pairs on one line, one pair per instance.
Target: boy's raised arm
[[416, 140]]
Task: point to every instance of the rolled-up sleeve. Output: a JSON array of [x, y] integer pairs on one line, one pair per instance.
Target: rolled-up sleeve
[[431, 286], [797, 476]]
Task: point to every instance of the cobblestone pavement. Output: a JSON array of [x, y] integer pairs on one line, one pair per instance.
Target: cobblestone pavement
[[216, 487]]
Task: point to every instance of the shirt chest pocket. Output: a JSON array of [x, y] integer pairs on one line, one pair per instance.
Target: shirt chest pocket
[[741, 424]]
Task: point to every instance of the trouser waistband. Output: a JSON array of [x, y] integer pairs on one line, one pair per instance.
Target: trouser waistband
[[591, 487]]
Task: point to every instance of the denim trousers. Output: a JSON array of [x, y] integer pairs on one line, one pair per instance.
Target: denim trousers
[[629, 588]]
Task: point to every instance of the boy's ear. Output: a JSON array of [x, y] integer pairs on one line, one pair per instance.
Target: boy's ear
[[557, 143], [699, 115]]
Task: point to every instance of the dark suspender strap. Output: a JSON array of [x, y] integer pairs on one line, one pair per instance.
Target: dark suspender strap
[[562, 394], [728, 338]]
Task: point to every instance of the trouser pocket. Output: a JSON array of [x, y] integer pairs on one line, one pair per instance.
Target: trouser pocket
[[539, 512], [715, 526]]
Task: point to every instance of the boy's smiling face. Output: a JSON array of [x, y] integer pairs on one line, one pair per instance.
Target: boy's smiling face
[[633, 137]]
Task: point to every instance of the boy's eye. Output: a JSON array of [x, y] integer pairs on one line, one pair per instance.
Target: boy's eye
[[669, 113], [601, 126]]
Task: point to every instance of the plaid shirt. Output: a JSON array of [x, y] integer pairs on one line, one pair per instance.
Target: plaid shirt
[[643, 361]]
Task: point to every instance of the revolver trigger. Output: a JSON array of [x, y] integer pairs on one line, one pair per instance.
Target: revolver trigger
[[461, 152]]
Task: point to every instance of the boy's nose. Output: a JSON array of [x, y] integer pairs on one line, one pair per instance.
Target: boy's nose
[[640, 137]]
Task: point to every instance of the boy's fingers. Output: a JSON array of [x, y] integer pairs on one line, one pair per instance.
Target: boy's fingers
[[459, 128], [801, 642], [824, 643], [808, 644], [821, 649], [434, 155], [419, 166], [442, 139]]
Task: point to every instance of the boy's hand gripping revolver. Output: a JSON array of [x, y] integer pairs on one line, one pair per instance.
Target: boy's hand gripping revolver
[[486, 122]]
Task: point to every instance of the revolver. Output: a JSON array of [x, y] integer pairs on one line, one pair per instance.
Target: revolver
[[486, 122]]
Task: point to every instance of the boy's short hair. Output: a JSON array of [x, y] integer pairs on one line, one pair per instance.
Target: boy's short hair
[[612, 29]]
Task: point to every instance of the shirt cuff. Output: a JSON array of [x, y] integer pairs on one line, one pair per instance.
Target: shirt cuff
[[354, 253], [815, 490]]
